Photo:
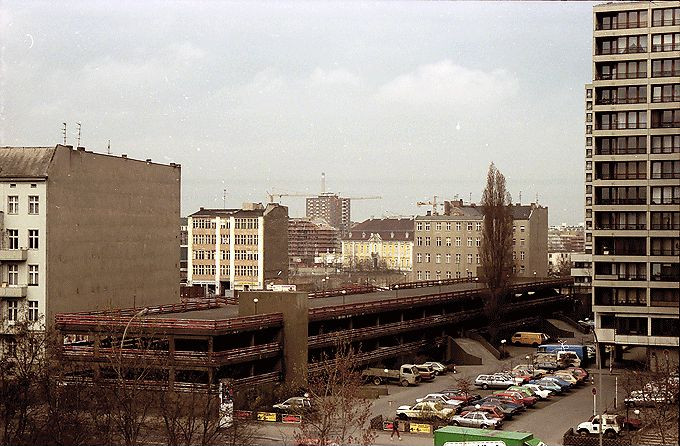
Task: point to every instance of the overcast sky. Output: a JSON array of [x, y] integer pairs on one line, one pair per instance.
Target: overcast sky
[[403, 100]]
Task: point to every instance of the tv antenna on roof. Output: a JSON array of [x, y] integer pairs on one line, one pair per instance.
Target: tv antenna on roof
[[108, 148], [63, 132], [224, 198], [78, 124]]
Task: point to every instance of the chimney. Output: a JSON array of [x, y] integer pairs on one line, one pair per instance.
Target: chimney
[[81, 149], [124, 155]]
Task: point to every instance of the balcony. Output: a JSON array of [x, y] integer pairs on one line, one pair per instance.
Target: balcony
[[641, 277], [665, 73], [621, 151], [665, 252], [613, 76], [13, 255], [665, 200], [13, 292], [665, 175], [671, 149], [665, 47], [666, 22], [666, 98], [621, 226], [611, 201], [666, 226], [622, 176], [666, 125], [628, 50], [666, 277], [622, 25], [614, 101], [622, 126]]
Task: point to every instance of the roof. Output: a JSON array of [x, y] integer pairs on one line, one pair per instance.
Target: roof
[[258, 211], [400, 229], [476, 212], [25, 162]]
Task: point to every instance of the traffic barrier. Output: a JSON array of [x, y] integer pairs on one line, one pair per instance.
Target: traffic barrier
[[291, 418], [266, 416], [243, 414], [420, 428]]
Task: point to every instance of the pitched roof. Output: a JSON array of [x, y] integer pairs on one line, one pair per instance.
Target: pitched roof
[[398, 229], [25, 162]]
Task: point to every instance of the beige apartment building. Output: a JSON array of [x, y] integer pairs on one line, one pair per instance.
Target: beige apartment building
[[238, 249], [379, 243], [447, 246], [85, 231], [632, 187]]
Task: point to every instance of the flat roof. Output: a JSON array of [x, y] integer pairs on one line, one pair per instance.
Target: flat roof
[[209, 314]]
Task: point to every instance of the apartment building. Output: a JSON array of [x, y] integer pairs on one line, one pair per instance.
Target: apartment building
[[312, 240], [85, 231], [384, 243], [448, 245], [632, 184], [238, 249], [331, 208], [183, 249]]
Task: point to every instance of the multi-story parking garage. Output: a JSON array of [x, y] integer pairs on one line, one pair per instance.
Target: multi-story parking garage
[[272, 336]]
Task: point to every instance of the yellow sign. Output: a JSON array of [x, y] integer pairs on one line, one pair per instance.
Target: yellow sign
[[420, 428], [266, 416]]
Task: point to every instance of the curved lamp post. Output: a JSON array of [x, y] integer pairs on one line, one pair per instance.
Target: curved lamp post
[[141, 312]]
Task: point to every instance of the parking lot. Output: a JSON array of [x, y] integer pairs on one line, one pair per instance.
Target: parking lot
[[547, 420]]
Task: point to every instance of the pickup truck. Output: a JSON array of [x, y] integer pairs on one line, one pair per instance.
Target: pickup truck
[[406, 375], [425, 410], [612, 425]]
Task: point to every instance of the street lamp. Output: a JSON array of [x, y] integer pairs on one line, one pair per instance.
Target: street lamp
[[141, 312], [440, 286], [344, 292], [503, 341], [529, 358], [255, 301], [596, 403]]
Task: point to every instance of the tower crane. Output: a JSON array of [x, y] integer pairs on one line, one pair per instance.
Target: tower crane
[[432, 203], [272, 195]]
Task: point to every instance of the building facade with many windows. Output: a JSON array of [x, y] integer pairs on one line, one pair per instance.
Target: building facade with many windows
[[448, 246], [84, 231], [632, 187], [379, 243], [238, 249]]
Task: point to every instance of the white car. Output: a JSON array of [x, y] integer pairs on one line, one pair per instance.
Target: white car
[[438, 367], [482, 420], [538, 390], [425, 410], [295, 403], [440, 398]]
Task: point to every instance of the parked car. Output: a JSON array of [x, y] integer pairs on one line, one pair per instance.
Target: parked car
[[425, 410], [438, 367], [510, 375], [557, 380], [493, 410], [579, 373], [482, 420], [457, 394], [649, 397], [406, 375], [527, 400], [295, 404], [494, 381], [568, 376], [549, 384], [529, 369], [515, 408], [611, 426], [538, 390], [440, 398], [426, 372]]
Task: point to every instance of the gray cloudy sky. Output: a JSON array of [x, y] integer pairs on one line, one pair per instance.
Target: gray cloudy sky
[[404, 100]]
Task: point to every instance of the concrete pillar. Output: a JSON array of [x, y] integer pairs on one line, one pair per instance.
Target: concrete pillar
[[295, 310]]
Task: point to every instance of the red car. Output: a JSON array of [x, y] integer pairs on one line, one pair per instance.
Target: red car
[[517, 398], [457, 394]]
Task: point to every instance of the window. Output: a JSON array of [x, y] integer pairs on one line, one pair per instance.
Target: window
[[438, 226], [478, 226], [458, 241], [666, 144], [469, 242], [521, 242], [427, 275], [12, 310], [438, 258], [448, 258], [666, 42], [13, 274], [458, 259], [469, 274], [427, 241], [32, 310], [448, 225], [11, 346], [666, 93], [427, 225], [469, 226], [666, 118], [666, 17], [427, 258], [13, 204], [438, 275], [478, 259], [32, 239], [419, 226], [419, 241], [33, 275], [419, 275], [521, 255], [478, 241], [469, 259], [13, 238], [458, 226], [448, 274], [438, 241], [448, 241], [419, 258], [33, 204], [665, 67]]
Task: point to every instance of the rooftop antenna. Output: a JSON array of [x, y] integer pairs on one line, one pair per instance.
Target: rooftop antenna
[[63, 132], [520, 197], [323, 183], [108, 148], [470, 197], [536, 197], [78, 124], [224, 198]]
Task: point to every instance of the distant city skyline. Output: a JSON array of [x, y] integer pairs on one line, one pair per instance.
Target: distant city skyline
[[402, 100]]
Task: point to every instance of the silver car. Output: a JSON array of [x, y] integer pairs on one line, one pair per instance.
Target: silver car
[[481, 420]]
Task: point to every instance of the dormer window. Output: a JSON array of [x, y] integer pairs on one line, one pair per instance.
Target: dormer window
[[363, 235], [391, 234]]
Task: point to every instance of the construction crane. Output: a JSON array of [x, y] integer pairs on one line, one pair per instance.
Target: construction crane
[[432, 203], [376, 197], [272, 195]]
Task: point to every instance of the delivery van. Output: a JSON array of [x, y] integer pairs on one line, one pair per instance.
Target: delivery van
[[529, 338]]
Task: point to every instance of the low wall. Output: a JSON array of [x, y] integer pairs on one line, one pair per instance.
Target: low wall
[[479, 338], [461, 357]]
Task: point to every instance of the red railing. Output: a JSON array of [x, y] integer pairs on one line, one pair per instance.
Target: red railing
[[361, 289]]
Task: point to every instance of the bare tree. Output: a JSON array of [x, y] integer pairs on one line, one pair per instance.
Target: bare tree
[[465, 385], [496, 247], [339, 414]]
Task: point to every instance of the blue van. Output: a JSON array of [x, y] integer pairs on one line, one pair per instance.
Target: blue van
[[580, 350]]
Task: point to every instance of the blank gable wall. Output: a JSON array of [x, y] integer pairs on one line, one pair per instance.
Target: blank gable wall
[[112, 232]]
